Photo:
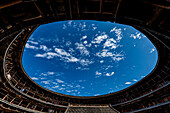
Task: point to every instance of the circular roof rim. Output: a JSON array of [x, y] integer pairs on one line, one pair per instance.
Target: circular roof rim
[[90, 97]]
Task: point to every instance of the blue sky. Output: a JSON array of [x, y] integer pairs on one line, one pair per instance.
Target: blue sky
[[88, 58]]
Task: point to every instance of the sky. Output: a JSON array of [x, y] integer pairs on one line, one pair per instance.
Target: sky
[[88, 58]]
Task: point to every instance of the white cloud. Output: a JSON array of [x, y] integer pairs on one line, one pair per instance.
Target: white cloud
[[84, 37], [113, 29], [50, 73], [111, 43], [83, 26], [136, 35], [51, 55], [43, 78], [41, 55], [75, 90], [44, 48], [62, 52], [31, 46], [69, 22], [101, 61], [152, 50], [82, 49], [59, 81], [118, 58], [63, 85], [73, 59], [55, 87], [43, 74], [32, 42], [99, 39], [71, 50], [96, 94], [104, 53], [59, 53], [94, 28], [85, 62], [110, 74], [85, 42], [68, 91], [88, 45], [46, 82], [68, 43], [109, 66], [34, 78], [128, 83], [55, 83], [64, 26], [82, 68], [69, 85], [115, 56], [98, 73], [135, 80], [77, 85], [61, 89], [118, 33]]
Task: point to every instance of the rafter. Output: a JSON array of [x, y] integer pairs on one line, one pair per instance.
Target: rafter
[[78, 8], [37, 17], [70, 8], [51, 4], [163, 20], [155, 15], [4, 18], [10, 4], [156, 5], [87, 12], [101, 6], [117, 8], [39, 10]]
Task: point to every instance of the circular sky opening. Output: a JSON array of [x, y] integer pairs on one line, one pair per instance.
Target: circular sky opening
[[88, 58]]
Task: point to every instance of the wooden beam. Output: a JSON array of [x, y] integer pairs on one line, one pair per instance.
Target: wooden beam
[[70, 9], [51, 4], [117, 8], [13, 99], [37, 17], [10, 4], [156, 5], [54, 3], [5, 18], [20, 102], [42, 109], [78, 8], [101, 6], [27, 105], [109, 13], [5, 97], [39, 10], [35, 107], [155, 15], [163, 20]]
